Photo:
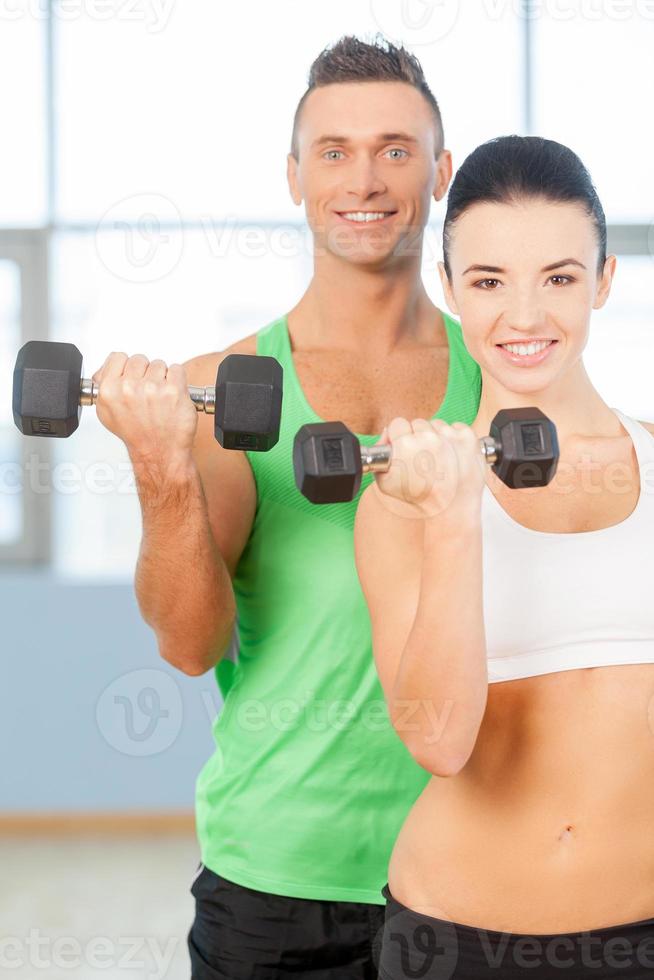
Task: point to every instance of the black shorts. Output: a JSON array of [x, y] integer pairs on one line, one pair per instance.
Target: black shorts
[[420, 946], [242, 934]]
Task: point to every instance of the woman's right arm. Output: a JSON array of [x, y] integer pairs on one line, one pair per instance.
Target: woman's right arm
[[422, 580]]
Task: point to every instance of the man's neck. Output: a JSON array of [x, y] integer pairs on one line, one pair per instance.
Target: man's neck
[[358, 309]]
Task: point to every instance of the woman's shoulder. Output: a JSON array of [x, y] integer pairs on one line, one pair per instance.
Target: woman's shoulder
[[648, 425]]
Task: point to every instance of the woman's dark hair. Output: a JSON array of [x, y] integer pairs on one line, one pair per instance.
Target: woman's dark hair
[[508, 169]]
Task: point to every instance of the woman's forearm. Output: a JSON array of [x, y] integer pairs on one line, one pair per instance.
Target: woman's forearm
[[440, 691], [182, 584]]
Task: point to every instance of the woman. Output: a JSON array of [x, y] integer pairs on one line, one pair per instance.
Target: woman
[[520, 673]]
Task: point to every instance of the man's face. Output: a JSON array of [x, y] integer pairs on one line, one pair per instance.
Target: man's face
[[367, 169]]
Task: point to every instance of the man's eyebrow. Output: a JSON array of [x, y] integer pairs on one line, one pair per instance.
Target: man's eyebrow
[[546, 268], [381, 138]]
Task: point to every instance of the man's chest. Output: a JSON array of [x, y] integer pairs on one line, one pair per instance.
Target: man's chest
[[367, 395]]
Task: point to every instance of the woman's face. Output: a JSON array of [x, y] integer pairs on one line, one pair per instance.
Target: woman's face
[[525, 275]]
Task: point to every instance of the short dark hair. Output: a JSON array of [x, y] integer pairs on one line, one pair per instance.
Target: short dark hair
[[508, 169], [353, 60]]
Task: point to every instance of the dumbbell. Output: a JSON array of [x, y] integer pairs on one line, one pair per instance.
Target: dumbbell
[[329, 461], [246, 402]]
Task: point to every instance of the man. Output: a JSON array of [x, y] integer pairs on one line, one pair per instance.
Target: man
[[298, 808]]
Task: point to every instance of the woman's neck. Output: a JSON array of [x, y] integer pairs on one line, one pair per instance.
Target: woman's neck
[[571, 402]]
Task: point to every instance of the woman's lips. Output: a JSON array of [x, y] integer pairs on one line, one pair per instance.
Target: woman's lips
[[527, 360]]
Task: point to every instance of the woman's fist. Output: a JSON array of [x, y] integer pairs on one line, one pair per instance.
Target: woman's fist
[[435, 469]]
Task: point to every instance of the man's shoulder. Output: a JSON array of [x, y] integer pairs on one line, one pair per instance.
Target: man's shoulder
[[201, 370]]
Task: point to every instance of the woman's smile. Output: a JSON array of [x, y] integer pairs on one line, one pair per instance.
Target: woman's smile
[[526, 354]]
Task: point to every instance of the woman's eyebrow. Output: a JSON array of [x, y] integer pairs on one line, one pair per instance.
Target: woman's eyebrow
[[557, 265], [547, 268]]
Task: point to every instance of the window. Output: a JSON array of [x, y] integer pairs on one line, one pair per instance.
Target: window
[[22, 117], [11, 511], [146, 159], [593, 88]]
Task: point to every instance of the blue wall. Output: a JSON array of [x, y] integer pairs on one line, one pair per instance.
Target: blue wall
[[91, 718]]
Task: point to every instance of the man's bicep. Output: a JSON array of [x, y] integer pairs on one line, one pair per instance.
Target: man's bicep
[[230, 492], [389, 557]]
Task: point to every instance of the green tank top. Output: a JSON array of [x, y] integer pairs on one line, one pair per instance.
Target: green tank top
[[309, 783]]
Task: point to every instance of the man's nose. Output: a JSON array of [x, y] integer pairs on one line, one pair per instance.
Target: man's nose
[[364, 179]]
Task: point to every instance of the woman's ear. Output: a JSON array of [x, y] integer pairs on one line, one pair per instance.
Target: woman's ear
[[447, 289], [604, 282], [291, 176]]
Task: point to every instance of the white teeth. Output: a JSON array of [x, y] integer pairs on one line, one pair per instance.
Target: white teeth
[[366, 215], [525, 349]]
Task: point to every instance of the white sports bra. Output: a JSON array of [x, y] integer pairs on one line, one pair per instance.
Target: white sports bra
[[561, 601]]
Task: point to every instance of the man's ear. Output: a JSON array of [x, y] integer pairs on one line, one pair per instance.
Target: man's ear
[[604, 283], [291, 176], [447, 289], [443, 175]]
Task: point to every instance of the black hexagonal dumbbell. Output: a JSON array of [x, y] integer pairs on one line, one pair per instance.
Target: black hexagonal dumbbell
[[49, 392], [329, 460]]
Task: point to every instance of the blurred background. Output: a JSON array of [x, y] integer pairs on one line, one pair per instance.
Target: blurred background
[[144, 207]]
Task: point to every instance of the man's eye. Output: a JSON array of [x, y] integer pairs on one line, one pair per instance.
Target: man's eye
[[331, 154], [481, 282], [397, 149]]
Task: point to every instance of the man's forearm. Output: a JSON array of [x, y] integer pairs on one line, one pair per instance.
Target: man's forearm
[[442, 682], [182, 584]]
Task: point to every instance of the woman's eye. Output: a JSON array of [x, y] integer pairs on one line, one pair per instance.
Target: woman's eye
[[563, 278], [482, 281]]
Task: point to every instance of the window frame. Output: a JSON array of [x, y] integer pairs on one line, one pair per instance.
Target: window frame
[[28, 249]]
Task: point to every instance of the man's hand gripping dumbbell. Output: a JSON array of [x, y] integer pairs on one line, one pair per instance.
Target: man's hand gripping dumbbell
[[147, 403]]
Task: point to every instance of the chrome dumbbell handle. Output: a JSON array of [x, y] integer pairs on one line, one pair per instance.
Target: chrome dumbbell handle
[[377, 459], [204, 399]]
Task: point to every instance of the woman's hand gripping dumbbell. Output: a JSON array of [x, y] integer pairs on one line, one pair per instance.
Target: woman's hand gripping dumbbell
[[328, 460]]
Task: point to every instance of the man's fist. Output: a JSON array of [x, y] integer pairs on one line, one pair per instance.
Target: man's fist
[[147, 405]]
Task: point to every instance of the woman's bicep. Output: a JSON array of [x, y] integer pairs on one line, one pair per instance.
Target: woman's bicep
[[388, 551]]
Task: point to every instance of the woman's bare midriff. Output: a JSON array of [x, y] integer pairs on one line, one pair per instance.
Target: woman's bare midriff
[[549, 827]]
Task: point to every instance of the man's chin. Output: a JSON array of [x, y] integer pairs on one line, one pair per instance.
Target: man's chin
[[360, 253]]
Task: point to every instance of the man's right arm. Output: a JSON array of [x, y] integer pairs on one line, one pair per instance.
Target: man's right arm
[[196, 522]]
